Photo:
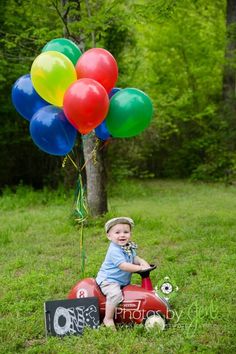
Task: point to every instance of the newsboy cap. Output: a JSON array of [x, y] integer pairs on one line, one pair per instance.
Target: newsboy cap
[[120, 220]]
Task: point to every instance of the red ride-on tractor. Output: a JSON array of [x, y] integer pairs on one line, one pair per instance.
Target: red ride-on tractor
[[141, 304]]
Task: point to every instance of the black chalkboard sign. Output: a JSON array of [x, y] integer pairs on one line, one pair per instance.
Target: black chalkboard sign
[[65, 317]]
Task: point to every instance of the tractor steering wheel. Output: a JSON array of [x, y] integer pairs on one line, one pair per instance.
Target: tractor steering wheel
[[144, 273]]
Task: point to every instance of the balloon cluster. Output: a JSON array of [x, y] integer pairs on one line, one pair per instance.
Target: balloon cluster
[[67, 91]]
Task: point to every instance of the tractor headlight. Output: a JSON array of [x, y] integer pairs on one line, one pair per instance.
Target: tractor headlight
[[166, 288]]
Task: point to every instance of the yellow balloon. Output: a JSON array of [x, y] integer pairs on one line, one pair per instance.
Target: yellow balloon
[[51, 74]]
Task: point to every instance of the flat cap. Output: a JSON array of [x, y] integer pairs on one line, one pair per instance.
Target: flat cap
[[120, 220]]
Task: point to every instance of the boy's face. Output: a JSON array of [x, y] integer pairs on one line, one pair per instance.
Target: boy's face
[[119, 234]]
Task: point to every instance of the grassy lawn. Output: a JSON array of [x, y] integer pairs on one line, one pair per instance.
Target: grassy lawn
[[187, 229]]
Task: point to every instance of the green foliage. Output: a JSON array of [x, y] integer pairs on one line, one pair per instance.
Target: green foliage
[[187, 229], [24, 30], [179, 64], [22, 196], [172, 50]]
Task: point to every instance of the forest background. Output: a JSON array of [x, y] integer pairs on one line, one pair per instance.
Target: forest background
[[177, 51]]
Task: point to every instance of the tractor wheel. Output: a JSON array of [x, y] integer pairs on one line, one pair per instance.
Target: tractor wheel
[[155, 321]]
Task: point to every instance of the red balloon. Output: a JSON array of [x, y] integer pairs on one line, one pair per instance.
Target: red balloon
[[86, 104], [98, 64]]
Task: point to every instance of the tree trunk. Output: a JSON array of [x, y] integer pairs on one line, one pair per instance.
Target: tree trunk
[[95, 171], [95, 167], [94, 155], [229, 80], [70, 174]]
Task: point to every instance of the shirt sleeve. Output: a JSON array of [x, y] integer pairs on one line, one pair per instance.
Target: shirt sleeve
[[117, 257]]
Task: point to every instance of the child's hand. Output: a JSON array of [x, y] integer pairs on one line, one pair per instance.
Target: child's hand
[[144, 264], [141, 262], [143, 268]]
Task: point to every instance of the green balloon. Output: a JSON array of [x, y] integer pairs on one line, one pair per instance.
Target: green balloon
[[64, 46], [129, 114]]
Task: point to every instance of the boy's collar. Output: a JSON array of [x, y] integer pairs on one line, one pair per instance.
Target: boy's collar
[[129, 244], [129, 247]]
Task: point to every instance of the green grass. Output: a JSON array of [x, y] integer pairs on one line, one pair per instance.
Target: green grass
[[187, 229]]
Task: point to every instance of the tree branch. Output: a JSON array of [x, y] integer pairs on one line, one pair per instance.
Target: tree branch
[[89, 15], [62, 17]]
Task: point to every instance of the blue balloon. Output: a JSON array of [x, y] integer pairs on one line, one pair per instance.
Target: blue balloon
[[102, 132], [52, 132], [25, 99], [113, 91]]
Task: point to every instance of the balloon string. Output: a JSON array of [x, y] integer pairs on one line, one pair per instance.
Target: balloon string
[[81, 211], [64, 161], [74, 164], [93, 154], [82, 250], [81, 207], [72, 161]]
